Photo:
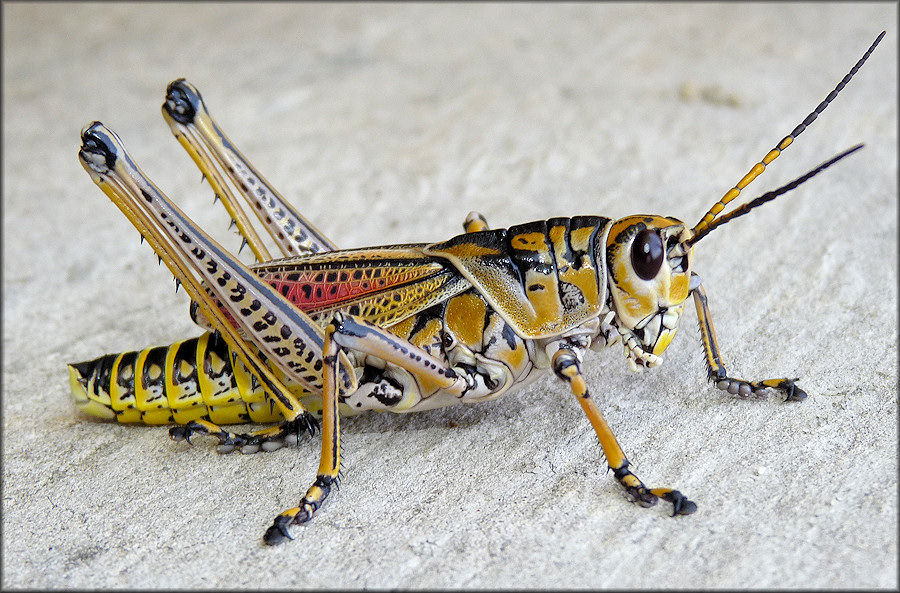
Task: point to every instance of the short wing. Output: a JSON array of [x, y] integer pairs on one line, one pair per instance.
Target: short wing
[[382, 285]]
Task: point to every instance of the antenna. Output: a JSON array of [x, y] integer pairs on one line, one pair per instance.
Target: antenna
[[769, 196], [703, 227]]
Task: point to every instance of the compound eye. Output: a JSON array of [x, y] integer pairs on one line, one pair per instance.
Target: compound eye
[[647, 254]]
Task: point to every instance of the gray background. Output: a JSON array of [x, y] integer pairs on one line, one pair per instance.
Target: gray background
[[388, 124]]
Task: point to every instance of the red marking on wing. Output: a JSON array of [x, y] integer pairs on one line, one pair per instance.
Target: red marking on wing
[[311, 290]]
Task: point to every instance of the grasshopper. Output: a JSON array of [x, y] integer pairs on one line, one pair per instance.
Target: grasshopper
[[321, 332]]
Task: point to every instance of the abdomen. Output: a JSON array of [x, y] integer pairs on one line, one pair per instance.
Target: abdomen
[[189, 380]]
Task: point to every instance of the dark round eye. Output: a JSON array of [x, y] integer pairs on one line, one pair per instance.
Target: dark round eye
[[647, 254]]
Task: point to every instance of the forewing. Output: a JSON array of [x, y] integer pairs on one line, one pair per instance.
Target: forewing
[[382, 285]]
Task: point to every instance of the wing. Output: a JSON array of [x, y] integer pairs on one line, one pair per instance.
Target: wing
[[383, 285]]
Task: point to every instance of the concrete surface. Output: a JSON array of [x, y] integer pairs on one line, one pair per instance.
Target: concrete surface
[[388, 124]]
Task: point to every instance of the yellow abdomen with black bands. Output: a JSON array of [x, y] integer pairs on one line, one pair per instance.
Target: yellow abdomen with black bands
[[190, 380]]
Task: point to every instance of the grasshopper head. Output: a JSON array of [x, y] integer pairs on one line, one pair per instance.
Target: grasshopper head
[[649, 262], [649, 257]]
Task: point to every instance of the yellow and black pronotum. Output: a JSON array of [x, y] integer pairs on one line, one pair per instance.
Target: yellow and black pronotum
[[401, 327]]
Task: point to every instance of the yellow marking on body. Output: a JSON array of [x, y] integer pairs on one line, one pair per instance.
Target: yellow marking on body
[[243, 379], [557, 234], [429, 337], [216, 363], [468, 250], [185, 368], [580, 239], [499, 282], [529, 241], [126, 373], [465, 316], [142, 395], [121, 398], [633, 294], [510, 350], [128, 416], [189, 415], [663, 341], [157, 417], [214, 393], [228, 414], [586, 281], [95, 408], [86, 400], [584, 278], [680, 288], [541, 287], [404, 327], [543, 294], [786, 142], [179, 395], [515, 358]]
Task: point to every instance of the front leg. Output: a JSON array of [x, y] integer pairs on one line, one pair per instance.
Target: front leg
[[567, 367], [716, 370]]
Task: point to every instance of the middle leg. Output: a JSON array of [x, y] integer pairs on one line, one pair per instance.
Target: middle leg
[[346, 332]]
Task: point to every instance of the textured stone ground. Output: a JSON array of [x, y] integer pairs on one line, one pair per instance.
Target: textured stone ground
[[388, 124]]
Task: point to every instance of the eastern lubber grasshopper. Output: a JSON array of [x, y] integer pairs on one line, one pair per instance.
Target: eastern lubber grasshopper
[[401, 327]]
